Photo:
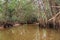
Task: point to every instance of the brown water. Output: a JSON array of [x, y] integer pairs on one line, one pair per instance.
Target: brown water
[[29, 32]]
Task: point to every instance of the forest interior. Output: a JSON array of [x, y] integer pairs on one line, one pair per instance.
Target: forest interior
[[41, 12], [29, 19]]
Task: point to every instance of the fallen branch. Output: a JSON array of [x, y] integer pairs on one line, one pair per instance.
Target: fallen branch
[[55, 6], [54, 16]]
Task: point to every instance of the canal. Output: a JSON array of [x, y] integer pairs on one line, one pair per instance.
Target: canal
[[29, 32]]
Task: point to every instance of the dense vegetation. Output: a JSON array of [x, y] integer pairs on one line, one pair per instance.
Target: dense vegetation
[[28, 11]]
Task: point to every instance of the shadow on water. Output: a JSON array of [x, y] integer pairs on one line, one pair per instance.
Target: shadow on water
[[29, 32]]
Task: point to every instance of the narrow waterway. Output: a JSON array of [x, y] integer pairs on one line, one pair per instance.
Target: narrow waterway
[[29, 32]]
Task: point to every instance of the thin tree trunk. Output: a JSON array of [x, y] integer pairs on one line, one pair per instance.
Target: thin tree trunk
[[52, 3], [47, 9], [42, 15]]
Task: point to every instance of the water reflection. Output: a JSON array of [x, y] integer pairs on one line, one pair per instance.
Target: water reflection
[[29, 32], [44, 34]]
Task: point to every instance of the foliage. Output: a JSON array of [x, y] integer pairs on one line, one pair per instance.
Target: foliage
[[24, 10]]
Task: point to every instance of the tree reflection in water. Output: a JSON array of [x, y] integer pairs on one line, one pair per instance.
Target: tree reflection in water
[[29, 32]]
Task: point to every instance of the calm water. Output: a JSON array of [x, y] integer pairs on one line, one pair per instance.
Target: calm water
[[29, 32]]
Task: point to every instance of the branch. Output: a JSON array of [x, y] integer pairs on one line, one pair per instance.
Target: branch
[[54, 16], [55, 6]]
